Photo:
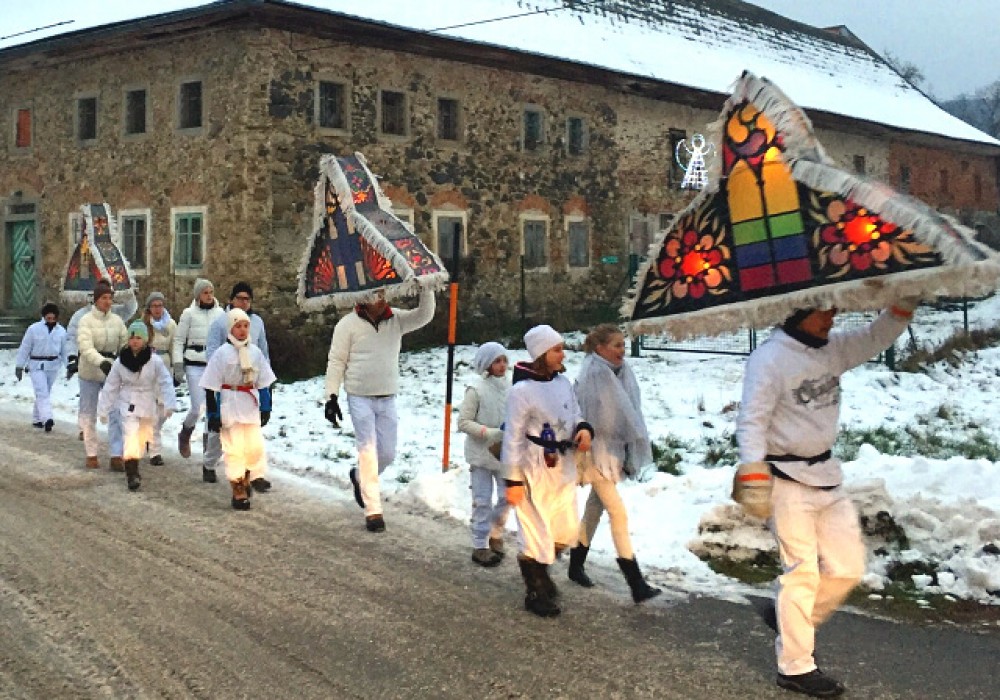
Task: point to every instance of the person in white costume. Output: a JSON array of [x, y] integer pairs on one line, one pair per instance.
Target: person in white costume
[[237, 383], [100, 338], [188, 355], [139, 387], [480, 418], [42, 353], [787, 425], [543, 431], [161, 343], [609, 398], [364, 357]]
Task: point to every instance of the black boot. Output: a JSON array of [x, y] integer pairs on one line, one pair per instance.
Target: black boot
[[132, 474], [640, 589], [577, 557], [537, 599]]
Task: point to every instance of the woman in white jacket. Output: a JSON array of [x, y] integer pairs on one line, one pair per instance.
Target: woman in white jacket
[[609, 399], [188, 354], [137, 386], [480, 418]]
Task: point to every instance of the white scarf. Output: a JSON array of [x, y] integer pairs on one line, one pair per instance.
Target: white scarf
[[249, 374], [160, 325], [610, 401]]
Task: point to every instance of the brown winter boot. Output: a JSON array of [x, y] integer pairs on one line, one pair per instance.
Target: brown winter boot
[[92, 463], [241, 499], [116, 464], [132, 474], [184, 441]]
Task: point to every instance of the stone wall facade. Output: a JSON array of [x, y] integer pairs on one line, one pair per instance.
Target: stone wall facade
[[252, 166]]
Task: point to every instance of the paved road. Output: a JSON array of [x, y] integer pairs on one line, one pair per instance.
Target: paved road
[[168, 593]]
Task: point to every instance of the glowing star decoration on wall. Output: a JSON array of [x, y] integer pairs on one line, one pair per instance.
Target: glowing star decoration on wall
[[697, 154], [357, 245], [96, 256], [780, 226]]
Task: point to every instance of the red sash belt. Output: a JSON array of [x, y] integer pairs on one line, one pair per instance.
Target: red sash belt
[[245, 388]]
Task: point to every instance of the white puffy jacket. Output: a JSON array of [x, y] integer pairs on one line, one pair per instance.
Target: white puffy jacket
[[100, 337], [192, 332]]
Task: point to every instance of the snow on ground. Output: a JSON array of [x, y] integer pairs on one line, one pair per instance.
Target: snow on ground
[[948, 508]]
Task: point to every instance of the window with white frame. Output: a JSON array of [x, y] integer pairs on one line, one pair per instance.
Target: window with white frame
[[578, 237], [447, 225], [187, 230], [535, 241], [331, 104], [136, 241]]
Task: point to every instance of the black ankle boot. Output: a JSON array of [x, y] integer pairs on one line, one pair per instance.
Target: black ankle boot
[[577, 558], [640, 589], [132, 474], [538, 599]]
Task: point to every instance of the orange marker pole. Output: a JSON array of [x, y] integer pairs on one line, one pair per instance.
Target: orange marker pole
[[452, 322]]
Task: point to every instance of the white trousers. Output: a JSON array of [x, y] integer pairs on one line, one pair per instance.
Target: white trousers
[[823, 558], [604, 496], [193, 374], [42, 381], [213, 450], [374, 419], [156, 437], [488, 516], [136, 432], [90, 391], [243, 450], [547, 516]]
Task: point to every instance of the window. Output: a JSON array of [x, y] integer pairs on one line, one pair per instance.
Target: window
[[394, 119], [135, 238], [640, 234], [448, 118], [904, 178], [22, 128], [534, 236], [188, 238], [859, 165], [578, 233], [446, 226], [190, 105], [977, 187], [404, 215], [534, 129], [331, 105], [943, 180], [576, 138], [86, 118], [663, 220], [135, 112], [675, 173]]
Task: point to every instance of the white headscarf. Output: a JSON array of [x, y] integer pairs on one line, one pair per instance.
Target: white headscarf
[[233, 316]]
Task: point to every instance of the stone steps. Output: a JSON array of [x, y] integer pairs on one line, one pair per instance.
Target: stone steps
[[12, 327]]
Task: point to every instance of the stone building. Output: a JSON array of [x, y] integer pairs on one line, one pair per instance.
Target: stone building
[[203, 129]]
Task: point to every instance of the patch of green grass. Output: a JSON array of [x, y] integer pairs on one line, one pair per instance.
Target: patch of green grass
[[951, 349], [762, 569], [924, 440], [721, 450], [668, 453]]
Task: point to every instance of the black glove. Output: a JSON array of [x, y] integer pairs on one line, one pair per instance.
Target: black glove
[[265, 416], [106, 367], [332, 411], [214, 423], [72, 365], [18, 372]]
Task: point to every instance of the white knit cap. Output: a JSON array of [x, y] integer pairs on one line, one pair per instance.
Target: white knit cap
[[233, 316], [486, 355], [539, 339], [200, 285]]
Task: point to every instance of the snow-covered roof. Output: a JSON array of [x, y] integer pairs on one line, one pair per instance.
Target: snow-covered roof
[[700, 44]]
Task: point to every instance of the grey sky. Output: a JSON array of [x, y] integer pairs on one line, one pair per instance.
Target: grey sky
[[955, 43]]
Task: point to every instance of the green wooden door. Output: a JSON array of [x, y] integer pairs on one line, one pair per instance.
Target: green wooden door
[[21, 245]]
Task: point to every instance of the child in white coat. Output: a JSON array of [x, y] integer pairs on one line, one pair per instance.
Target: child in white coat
[[237, 383], [137, 385], [480, 418], [43, 353], [543, 431]]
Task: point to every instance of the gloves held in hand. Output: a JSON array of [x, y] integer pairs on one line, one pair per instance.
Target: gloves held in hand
[[106, 367], [18, 372], [333, 412], [265, 416]]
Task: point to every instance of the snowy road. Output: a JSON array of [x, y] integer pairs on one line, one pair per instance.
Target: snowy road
[[168, 593]]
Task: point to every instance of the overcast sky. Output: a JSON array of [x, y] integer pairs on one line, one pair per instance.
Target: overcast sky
[[955, 43]]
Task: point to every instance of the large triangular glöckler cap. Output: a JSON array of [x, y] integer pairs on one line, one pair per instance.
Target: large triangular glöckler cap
[[358, 248], [780, 226], [96, 256]]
